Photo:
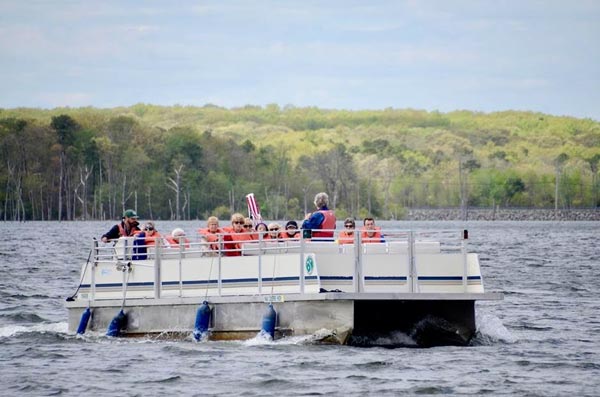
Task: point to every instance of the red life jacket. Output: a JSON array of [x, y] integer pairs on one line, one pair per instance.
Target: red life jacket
[[328, 223], [233, 245]]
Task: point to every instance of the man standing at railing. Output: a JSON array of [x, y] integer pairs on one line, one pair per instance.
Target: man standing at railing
[[321, 223], [128, 227]]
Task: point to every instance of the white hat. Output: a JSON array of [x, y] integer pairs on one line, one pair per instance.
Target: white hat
[[177, 232]]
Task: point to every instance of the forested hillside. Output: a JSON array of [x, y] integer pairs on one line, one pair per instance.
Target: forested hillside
[[191, 162]]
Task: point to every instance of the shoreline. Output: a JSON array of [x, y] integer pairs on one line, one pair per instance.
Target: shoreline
[[505, 214]]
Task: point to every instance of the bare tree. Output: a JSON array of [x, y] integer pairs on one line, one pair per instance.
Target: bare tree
[[175, 185]]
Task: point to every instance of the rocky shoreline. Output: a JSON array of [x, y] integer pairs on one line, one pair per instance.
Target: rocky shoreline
[[473, 214]]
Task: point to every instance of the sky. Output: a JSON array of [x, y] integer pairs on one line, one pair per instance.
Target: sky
[[434, 55]]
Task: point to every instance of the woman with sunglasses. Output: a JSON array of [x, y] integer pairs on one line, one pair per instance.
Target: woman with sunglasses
[[346, 236], [273, 232], [151, 235], [249, 228], [235, 235]]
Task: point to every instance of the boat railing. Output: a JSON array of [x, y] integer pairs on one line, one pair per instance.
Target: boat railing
[[403, 248]]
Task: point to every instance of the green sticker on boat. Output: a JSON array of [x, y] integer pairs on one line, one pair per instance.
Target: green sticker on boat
[[310, 264]]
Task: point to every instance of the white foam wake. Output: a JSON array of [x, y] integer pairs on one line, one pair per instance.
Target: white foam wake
[[490, 328], [12, 330]]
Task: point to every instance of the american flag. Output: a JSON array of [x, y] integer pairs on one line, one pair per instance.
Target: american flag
[[253, 209]]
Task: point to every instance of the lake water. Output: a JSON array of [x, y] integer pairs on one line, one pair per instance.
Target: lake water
[[541, 340]]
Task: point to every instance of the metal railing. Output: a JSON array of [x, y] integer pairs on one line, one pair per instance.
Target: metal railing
[[132, 250]]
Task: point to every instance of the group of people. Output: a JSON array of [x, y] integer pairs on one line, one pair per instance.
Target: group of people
[[318, 226], [368, 234], [148, 235]]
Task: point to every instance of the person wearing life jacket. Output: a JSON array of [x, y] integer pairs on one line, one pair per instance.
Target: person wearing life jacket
[[274, 232], [320, 224], [178, 238], [261, 230], [346, 236], [151, 235], [249, 228], [371, 233], [211, 233], [291, 231], [235, 235], [128, 227]]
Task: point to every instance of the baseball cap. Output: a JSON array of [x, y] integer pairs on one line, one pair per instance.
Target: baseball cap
[[130, 214]]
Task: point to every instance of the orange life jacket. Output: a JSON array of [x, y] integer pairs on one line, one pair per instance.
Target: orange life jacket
[[286, 236], [212, 238], [345, 237], [151, 240], [375, 238], [123, 232], [175, 244], [328, 223]]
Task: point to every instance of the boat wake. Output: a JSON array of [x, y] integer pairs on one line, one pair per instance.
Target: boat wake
[[490, 330], [9, 331]]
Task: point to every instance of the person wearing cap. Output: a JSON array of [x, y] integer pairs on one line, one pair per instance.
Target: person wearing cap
[[128, 227], [291, 231], [346, 236]]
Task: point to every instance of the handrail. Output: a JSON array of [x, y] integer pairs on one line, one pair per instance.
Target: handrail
[[409, 243]]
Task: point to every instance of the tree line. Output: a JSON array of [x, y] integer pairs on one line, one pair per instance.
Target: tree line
[[192, 162]]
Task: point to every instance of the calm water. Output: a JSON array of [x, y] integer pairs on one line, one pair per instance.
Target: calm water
[[542, 340]]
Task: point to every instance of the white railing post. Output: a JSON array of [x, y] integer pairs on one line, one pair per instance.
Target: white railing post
[[301, 272], [181, 247], [358, 270], [260, 254], [411, 260], [157, 264], [463, 250], [96, 251], [221, 253]]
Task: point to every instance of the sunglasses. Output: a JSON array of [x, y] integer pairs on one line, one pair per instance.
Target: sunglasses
[[248, 226], [237, 223], [349, 225], [149, 229], [273, 230]]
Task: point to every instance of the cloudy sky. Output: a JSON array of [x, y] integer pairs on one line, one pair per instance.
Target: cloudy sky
[[440, 55]]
